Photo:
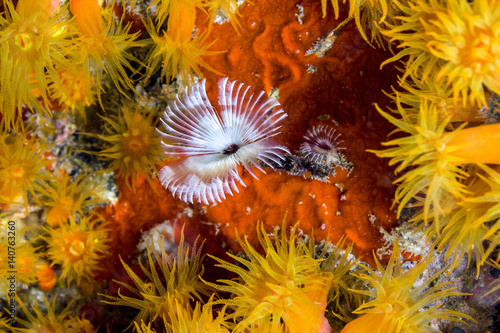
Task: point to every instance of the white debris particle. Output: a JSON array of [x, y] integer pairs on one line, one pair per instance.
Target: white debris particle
[[151, 239], [343, 197], [310, 68], [372, 218], [188, 212], [275, 93], [216, 226], [300, 14], [323, 226], [409, 239], [312, 195], [339, 212], [322, 45], [221, 16]]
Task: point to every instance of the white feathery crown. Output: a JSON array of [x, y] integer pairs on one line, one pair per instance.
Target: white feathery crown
[[211, 145], [321, 144]]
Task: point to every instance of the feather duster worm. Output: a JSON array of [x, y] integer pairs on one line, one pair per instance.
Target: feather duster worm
[[212, 145], [321, 144]]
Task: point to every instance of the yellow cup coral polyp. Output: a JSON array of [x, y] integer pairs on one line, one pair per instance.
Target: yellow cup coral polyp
[[75, 92], [177, 50], [132, 146], [104, 46], [44, 319], [455, 40], [436, 156], [171, 281], [137, 140], [77, 247], [19, 256], [22, 167], [286, 286], [397, 305], [199, 320], [66, 196], [33, 43]]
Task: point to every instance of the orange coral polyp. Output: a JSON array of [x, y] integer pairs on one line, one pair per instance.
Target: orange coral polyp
[[69, 245], [175, 281], [59, 213], [22, 168], [181, 24], [137, 140], [42, 8], [285, 286], [33, 45], [367, 323], [398, 303], [77, 247], [67, 196], [46, 276], [74, 247], [73, 92], [457, 41], [477, 144], [132, 145], [88, 17]]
